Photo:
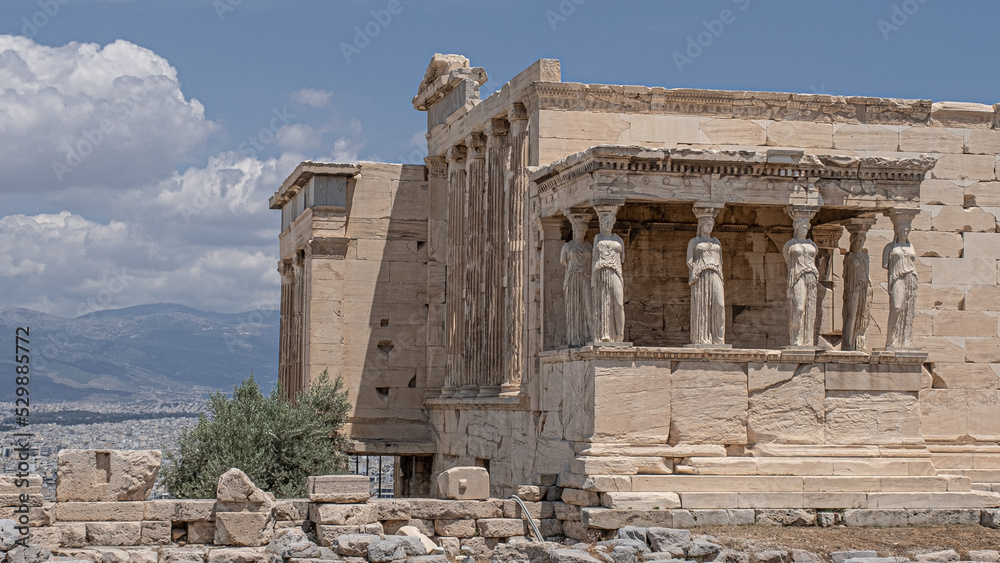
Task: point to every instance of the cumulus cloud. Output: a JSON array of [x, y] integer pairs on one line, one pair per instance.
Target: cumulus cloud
[[312, 97], [298, 136], [85, 114]]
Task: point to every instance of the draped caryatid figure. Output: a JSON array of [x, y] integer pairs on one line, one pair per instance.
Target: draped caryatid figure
[[576, 256], [704, 261], [803, 280], [607, 283], [857, 287], [899, 259]]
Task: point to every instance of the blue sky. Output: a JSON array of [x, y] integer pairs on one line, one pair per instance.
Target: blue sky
[[209, 104]]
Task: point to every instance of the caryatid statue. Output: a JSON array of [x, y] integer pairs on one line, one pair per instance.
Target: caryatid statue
[[857, 287], [900, 261], [607, 283], [704, 261], [576, 257], [803, 278]]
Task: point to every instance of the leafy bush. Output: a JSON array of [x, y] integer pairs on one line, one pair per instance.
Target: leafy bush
[[275, 442]]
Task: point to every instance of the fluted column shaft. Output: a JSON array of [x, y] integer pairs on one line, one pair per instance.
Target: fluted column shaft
[[516, 298], [455, 284]]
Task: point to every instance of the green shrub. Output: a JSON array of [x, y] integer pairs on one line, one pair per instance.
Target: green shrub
[[275, 442]]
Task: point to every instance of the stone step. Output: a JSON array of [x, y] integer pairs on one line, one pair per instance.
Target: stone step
[[976, 475], [839, 500], [798, 484], [640, 501], [805, 466], [965, 460]]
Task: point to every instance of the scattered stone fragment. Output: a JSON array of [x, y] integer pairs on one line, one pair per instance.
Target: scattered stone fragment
[[803, 556], [395, 547], [989, 555], [732, 556], [660, 538], [945, 556], [572, 556], [841, 556], [353, 545], [702, 549], [292, 542], [30, 554], [632, 532], [8, 534], [771, 556]]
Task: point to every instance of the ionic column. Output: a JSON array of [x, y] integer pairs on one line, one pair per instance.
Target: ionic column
[[515, 296], [285, 328], [475, 301], [827, 239], [607, 281], [803, 278], [455, 284], [857, 286], [299, 330], [900, 262], [493, 259]]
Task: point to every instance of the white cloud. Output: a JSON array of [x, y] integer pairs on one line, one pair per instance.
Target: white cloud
[[298, 137], [312, 97], [84, 114]]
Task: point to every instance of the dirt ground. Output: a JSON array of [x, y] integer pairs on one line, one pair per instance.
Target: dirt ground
[[905, 542]]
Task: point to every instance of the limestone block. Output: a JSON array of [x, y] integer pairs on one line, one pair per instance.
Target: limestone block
[[581, 498], [460, 528], [863, 137], [613, 519], [981, 245], [898, 500], [106, 475], [936, 244], [178, 510], [709, 500], [983, 404], [433, 509], [237, 555], [344, 489], [964, 323], [200, 532], [155, 533], [640, 501], [464, 483], [835, 500], [961, 220], [873, 377], [787, 517], [731, 132], [931, 140], [391, 509], [353, 545], [244, 528], [719, 466], [785, 404], [944, 413], [595, 128], [99, 511], [632, 401], [944, 297], [650, 130], [964, 166], [342, 514], [530, 492], [72, 534], [178, 554], [971, 499], [291, 509], [114, 533], [708, 403], [982, 350], [944, 192], [500, 527], [805, 134], [395, 548], [794, 466], [770, 500], [979, 194], [835, 484]]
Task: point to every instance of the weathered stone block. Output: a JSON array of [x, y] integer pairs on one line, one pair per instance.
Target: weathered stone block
[[342, 514], [786, 517], [236, 492], [708, 403], [786, 404], [114, 533], [500, 527], [391, 509], [613, 519], [178, 554], [244, 528], [434, 509], [237, 555], [106, 475], [155, 533], [338, 488], [580, 498], [99, 512], [464, 483], [640, 501], [72, 534], [462, 528], [200, 532], [179, 510]]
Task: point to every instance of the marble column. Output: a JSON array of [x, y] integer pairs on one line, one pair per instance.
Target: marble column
[[297, 375], [493, 259], [515, 296], [607, 280], [827, 239], [455, 283], [285, 329], [857, 286], [475, 300], [803, 278], [899, 259]]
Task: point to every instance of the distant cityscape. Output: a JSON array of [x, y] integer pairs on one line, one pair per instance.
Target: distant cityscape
[[142, 425]]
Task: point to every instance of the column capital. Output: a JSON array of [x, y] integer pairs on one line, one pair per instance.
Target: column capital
[[858, 224], [550, 227], [827, 236], [476, 143], [517, 112], [802, 212], [607, 204], [496, 128], [901, 216], [457, 154], [707, 209], [437, 166]]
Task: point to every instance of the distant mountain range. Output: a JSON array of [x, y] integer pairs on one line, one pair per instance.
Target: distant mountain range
[[162, 351]]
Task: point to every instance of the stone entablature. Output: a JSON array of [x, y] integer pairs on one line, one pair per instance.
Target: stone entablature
[[704, 177]]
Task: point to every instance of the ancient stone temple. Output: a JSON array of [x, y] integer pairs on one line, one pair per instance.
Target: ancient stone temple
[[663, 300]]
